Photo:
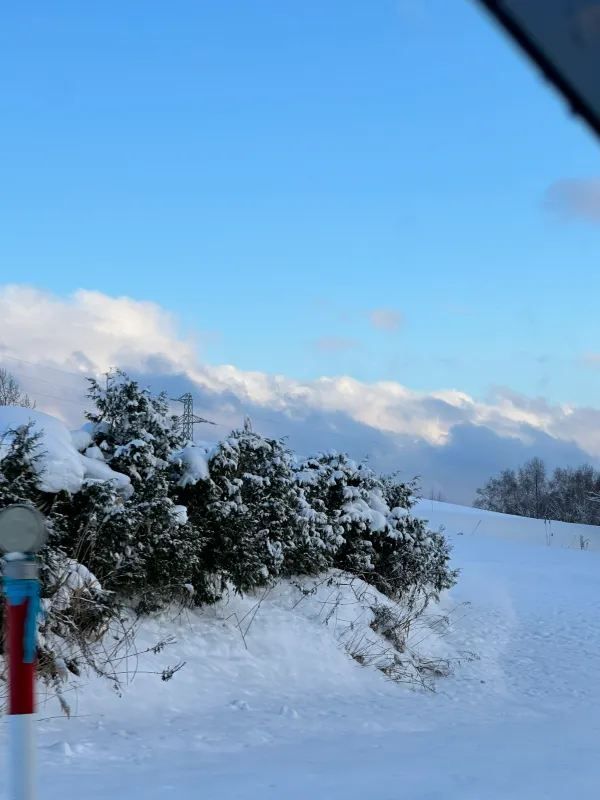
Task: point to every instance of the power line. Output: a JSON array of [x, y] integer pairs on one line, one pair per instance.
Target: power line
[[77, 403], [42, 366], [82, 376], [61, 399], [30, 377], [32, 380]]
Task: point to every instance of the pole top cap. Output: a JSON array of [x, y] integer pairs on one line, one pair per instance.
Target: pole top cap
[[22, 529]]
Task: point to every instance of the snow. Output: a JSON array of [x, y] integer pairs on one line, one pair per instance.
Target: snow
[[73, 577], [60, 466], [269, 705], [359, 510], [463, 520], [82, 438], [194, 460], [94, 452], [79, 577], [97, 470], [181, 514]]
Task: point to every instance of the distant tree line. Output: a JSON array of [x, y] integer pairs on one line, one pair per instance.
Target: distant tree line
[[569, 494]]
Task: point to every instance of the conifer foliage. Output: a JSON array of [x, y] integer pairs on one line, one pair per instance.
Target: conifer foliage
[[77, 611], [254, 517], [18, 455], [377, 536], [144, 547]]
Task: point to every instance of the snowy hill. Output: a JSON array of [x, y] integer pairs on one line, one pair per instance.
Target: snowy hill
[[269, 705], [466, 521]]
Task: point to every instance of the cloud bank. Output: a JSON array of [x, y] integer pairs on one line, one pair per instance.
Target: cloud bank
[[452, 440]]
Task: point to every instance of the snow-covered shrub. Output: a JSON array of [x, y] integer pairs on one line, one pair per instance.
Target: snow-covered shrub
[[351, 498], [246, 510], [77, 610], [385, 545], [77, 615], [421, 565], [255, 521], [397, 493], [98, 527]]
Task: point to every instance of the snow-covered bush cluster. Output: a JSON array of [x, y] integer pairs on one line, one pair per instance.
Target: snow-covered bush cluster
[[377, 537], [140, 519]]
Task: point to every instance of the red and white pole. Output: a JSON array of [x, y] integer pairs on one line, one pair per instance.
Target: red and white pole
[[23, 533], [22, 600]]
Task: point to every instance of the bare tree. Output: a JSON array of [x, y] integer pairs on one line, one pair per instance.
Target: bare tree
[[10, 391], [570, 494], [534, 487]]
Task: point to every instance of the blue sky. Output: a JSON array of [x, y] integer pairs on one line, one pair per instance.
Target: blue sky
[[273, 171]]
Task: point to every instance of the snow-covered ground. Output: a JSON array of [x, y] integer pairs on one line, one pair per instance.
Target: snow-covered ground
[[466, 521], [288, 714]]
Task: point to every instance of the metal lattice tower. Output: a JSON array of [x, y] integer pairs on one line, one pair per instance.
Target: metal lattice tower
[[188, 419]]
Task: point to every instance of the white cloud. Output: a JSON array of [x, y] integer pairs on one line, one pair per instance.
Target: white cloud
[[395, 426], [575, 198], [88, 330], [385, 319]]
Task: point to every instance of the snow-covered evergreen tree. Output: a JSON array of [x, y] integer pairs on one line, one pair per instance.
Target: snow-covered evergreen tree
[[144, 545], [133, 430], [18, 456]]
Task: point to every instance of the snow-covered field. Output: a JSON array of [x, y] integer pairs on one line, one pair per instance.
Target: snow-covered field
[[288, 714], [465, 521]]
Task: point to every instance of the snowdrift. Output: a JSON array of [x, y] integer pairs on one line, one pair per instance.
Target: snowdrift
[[60, 466], [312, 635]]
